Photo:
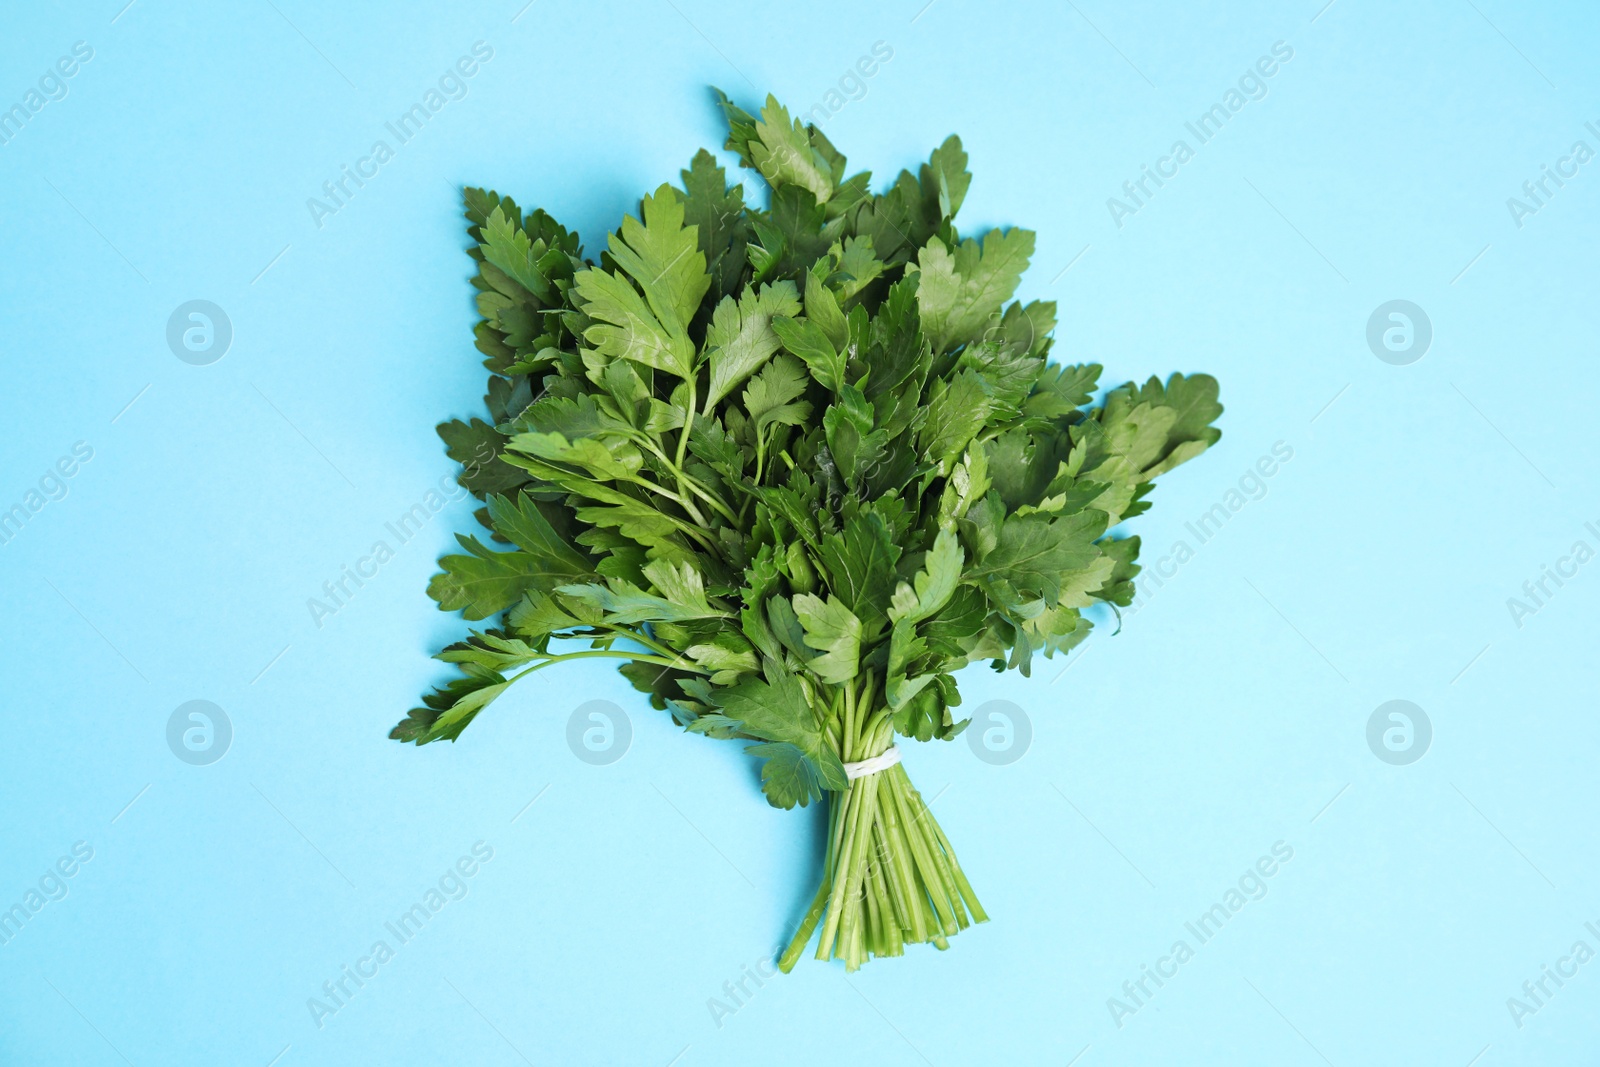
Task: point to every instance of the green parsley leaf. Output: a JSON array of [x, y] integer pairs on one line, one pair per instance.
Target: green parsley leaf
[[959, 293], [806, 339], [800, 763], [832, 629], [663, 256], [741, 337]]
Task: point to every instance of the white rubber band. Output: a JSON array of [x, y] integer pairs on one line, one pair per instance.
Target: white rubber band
[[865, 767]]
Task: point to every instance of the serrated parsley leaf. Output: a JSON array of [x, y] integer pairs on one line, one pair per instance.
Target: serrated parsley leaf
[[509, 249], [833, 630], [771, 392], [784, 154], [663, 256], [741, 339], [447, 710], [805, 339], [519, 520], [476, 446], [624, 327], [621, 602], [1063, 390], [958, 293], [1033, 552], [717, 213], [777, 711], [860, 562], [847, 424], [487, 582], [956, 409], [946, 176], [933, 584], [609, 458], [789, 777]]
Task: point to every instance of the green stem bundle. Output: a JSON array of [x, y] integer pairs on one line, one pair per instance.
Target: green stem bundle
[[890, 877]]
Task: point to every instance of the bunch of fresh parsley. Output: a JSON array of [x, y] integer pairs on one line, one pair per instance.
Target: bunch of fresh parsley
[[795, 466]]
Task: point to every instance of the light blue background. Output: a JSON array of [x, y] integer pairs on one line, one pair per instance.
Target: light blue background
[[1226, 716]]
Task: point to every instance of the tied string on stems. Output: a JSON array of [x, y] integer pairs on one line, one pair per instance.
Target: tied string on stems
[[862, 768]]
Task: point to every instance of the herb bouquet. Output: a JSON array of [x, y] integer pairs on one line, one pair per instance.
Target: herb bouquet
[[794, 466]]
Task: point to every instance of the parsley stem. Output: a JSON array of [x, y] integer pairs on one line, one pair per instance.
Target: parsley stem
[[848, 743], [670, 495], [856, 802], [659, 649], [609, 654], [808, 925], [761, 450], [705, 494], [900, 863], [688, 420], [688, 481]]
